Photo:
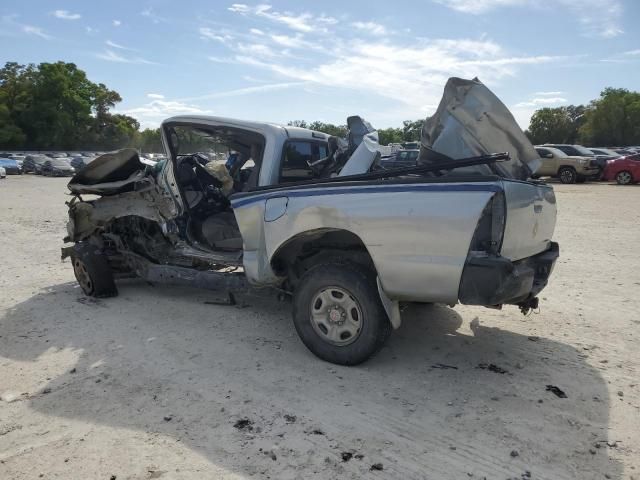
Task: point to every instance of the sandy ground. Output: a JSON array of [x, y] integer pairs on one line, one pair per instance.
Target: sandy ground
[[150, 384]]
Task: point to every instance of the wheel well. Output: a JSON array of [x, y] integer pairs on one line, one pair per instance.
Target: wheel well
[[566, 166], [307, 249]]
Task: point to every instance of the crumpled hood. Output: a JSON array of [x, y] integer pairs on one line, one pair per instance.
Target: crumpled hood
[[471, 121], [109, 174]]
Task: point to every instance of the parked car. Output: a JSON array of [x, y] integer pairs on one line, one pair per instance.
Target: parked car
[[347, 242], [33, 163], [3, 173], [568, 169], [401, 158], [580, 151], [57, 167], [56, 155], [79, 162], [14, 156], [605, 152], [624, 170], [10, 166]]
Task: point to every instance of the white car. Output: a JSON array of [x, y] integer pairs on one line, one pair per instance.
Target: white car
[[3, 173]]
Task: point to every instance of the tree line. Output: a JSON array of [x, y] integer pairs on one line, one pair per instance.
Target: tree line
[[55, 106], [613, 119]]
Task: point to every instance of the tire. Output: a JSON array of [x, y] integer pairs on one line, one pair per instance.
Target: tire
[[624, 178], [92, 271], [340, 292], [567, 175]]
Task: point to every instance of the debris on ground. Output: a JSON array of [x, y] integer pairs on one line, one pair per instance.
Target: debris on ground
[[230, 300], [168, 418], [514, 454], [377, 466], [270, 454], [290, 418], [244, 424], [444, 366], [346, 456], [317, 431], [556, 391], [491, 367]]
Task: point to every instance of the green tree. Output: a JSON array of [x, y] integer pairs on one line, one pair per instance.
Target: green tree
[[411, 130], [390, 135], [612, 119], [550, 125]]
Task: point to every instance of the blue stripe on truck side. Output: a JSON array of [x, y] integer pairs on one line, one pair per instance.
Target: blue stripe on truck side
[[314, 192]]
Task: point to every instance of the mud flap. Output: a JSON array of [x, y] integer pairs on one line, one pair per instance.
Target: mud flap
[[392, 307]]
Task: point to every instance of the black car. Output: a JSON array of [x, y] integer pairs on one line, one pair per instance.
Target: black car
[[401, 159], [58, 167], [80, 162], [33, 163], [10, 166]]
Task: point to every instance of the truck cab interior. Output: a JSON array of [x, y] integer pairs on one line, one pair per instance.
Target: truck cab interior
[[206, 183]]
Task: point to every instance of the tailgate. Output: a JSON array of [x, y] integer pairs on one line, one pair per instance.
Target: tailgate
[[531, 218]]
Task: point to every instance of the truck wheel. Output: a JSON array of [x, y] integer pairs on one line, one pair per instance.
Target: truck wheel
[[624, 178], [338, 314], [567, 175], [92, 271]]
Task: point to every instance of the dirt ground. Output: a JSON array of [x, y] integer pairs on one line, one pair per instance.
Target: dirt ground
[[156, 384]]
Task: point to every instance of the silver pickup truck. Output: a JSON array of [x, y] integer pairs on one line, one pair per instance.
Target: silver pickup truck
[[318, 219]]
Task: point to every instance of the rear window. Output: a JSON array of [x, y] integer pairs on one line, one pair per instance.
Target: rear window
[[296, 158]]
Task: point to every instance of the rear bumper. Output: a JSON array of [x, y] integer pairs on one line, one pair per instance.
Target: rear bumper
[[493, 280]]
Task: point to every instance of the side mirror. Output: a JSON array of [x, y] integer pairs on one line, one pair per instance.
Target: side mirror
[[549, 155]]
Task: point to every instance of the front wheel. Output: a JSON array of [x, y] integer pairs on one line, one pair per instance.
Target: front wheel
[[624, 178], [92, 271], [338, 314], [567, 175]]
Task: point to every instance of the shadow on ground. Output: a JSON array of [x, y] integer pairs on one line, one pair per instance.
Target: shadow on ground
[[430, 405]]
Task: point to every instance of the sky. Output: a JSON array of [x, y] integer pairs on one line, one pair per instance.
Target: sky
[[290, 60]]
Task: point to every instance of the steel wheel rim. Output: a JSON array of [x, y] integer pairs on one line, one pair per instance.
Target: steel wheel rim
[[82, 275], [624, 178], [336, 316], [567, 176]]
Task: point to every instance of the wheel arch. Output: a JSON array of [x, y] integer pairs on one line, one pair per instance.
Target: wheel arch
[[299, 253]]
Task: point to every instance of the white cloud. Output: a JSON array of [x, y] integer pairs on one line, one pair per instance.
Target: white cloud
[[548, 94], [303, 22], [151, 114], [256, 31], [412, 75], [371, 27], [238, 92], [207, 33], [632, 52], [153, 16], [116, 23], [111, 56], [155, 96], [598, 17], [37, 31], [543, 101], [66, 15], [118, 46]]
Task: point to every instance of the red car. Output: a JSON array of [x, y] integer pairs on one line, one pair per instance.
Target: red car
[[624, 170]]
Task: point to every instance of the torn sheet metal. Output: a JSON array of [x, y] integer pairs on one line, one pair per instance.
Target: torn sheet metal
[[471, 121]]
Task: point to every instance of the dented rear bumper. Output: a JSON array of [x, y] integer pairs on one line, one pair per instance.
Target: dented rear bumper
[[496, 280]]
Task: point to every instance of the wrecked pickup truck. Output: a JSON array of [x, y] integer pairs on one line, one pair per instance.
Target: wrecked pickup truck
[[316, 217]]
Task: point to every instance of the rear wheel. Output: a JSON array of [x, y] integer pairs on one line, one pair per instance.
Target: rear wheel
[[338, 314], [92, 271], [567, 175], [624, 178]]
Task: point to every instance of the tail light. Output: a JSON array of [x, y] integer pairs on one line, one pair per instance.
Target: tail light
[[489, 233]]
